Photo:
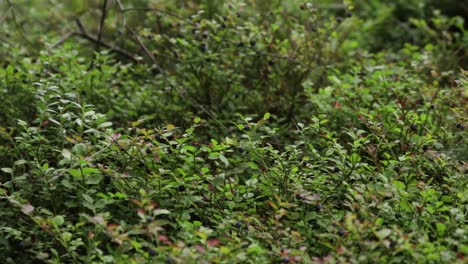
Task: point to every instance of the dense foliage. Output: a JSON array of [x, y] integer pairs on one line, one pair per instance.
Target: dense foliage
[[233, 131]]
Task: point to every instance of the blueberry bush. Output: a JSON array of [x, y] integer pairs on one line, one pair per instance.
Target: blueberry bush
[[233, 131]]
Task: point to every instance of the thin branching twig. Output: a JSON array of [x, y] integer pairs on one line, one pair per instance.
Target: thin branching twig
[[158, 67]]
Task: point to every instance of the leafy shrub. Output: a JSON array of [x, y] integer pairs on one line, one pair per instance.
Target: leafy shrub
[[260, 133]]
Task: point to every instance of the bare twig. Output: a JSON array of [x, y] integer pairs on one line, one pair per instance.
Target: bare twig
[[63, 39], [80, 25], [94, 39], [101, 25], [18, 26], [155, 64]]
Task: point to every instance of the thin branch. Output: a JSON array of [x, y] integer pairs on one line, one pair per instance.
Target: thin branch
[[94, 39], [101, 25], [122, 14], [20, 27], [80, 25], [63, 39], [164, 74]]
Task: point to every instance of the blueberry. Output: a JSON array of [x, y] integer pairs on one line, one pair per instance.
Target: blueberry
[[339, 19], [413, 127], [285, 260], [148, 151], [203, 47], [158, 137], [238, 224], [253, 43], [170, 260], [336, 169], [460, 126], [241, 150], [107, 179], [318, 207], [432, 107], [425, 147], [341, 232], [240, 44], [21, 245], [205, 35], [304, 163], [152, 252], [225, 18], [238, 15], [271, 62], [181, 188]]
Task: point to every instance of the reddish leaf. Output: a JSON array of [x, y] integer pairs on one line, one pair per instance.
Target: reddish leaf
[[200, 249], [213, 242]]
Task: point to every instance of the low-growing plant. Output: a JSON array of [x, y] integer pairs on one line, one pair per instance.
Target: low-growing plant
[[230, 131]]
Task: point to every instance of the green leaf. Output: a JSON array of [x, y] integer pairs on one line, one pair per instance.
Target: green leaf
[[310, 216], [94, 179], [266, 116], [67, 236], [224, 159], [137, 123], [254, 249], [67, 184], [88, 198], [252, 165], [383, 233], [75, 173], [100, 203], [66, 154], [8, 170], [217, 181], [89, 171], [441, 228], [58, 220], [231, 205], [355, 158], [398, 185], [20, 162], [161, 211], [79, 149], [105, 124], [135, 244]]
